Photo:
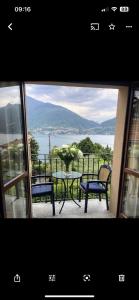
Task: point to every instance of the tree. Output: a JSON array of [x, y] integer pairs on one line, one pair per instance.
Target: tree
[[34, 149], [86, 145], [107, 153], [97, 149], [75, 144]]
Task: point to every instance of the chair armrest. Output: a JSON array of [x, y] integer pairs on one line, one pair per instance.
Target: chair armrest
[[45, 183], [41, 176], [87, 174]]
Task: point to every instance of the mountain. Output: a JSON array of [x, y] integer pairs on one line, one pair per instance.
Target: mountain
[[44, 115], [109, 123], [10, 119], [47, 116]]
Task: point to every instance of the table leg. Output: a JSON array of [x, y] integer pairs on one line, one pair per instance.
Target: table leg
[[71, 194], [65, 194], [62, 206]]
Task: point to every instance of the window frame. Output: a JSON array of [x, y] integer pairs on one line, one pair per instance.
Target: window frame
[[124, 169], [25, 173]]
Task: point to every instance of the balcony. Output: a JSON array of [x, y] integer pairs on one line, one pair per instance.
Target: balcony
[[46, 166], [16, 200], [96, 209]]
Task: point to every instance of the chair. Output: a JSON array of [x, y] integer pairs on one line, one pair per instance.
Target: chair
[[97, 186], [44, 189]]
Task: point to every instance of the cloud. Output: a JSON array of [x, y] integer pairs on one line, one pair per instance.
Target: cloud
[[96, 104], [10, 95]]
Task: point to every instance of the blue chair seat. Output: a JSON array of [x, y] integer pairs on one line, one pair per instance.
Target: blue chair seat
[[41, 190], [98, 186], [94, 187]]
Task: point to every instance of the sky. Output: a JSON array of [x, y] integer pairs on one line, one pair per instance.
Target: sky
[[96, 104], [10, 95]]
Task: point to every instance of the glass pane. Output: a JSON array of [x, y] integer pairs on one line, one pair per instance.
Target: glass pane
[[15, 201], [131, 196], [133, 142], [11, 136]]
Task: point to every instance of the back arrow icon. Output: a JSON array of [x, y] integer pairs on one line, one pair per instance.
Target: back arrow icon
[[9, 26]]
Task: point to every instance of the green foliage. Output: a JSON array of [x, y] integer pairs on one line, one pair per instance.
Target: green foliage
[[86, 145], [75, 144], [34, 149], [78, 162], [107, 153], [97, 149]]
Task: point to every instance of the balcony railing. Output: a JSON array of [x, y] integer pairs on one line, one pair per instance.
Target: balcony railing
[[47, 165]]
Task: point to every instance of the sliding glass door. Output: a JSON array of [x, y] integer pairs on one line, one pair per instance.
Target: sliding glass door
[[130, 191], [15, 197]]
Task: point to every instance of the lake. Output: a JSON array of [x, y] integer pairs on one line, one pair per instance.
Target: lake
[[62, 139]]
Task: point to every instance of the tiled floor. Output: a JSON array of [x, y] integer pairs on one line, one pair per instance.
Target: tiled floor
[[96, 209]]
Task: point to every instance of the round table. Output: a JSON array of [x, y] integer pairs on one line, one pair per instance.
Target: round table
[[65, 176]]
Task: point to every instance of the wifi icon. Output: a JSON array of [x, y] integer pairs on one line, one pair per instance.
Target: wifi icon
[[114, 8]]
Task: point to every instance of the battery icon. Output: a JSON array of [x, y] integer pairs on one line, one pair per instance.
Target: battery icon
[[124, 8]]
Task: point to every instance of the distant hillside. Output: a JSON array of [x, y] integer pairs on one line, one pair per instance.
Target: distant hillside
[[108, 123], [44, 115], [10, 118], [47, 116]]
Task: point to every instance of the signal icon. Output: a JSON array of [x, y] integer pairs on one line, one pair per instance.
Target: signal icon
[[114, 8], [105, 9]]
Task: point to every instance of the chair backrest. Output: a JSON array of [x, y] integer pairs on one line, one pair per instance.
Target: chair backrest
[[104, 173]]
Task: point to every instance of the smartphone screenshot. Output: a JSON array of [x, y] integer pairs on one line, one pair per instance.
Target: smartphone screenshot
[[69, 150]]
